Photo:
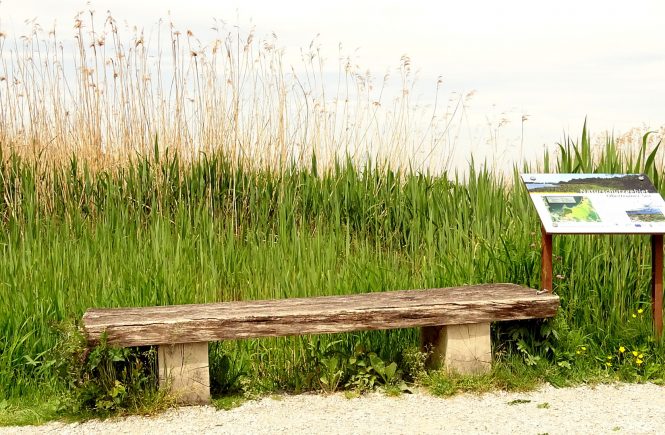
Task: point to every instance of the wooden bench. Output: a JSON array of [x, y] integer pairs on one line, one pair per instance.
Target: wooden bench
[[455, 325]]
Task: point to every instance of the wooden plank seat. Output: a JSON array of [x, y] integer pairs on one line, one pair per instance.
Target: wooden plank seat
[[454, 321]]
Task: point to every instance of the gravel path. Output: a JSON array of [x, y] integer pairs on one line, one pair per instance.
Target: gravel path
[[622, 408]]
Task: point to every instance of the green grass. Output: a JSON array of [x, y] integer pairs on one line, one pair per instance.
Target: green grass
[[166, 231], [25, 412], [229, 402]]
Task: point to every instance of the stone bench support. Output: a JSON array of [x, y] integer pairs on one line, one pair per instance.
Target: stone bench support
[[183, 370], [464, 349]]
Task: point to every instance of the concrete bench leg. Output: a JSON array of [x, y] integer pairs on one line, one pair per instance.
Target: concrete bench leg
[[183, 368], [464, 349]]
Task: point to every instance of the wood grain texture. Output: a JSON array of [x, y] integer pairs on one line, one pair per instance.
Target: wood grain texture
[[317, 315], [657, 283], [546, 262]]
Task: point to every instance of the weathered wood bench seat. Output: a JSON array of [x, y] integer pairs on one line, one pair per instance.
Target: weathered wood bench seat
[[455, 324]]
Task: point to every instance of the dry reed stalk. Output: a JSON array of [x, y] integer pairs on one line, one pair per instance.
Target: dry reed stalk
[[108, 98]]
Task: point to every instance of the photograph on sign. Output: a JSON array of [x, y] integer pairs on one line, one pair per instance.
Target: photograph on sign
[[596, 203]]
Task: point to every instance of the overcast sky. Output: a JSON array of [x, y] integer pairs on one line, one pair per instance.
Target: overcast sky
[[556, 62]]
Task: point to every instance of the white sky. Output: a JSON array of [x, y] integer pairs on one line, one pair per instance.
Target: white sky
[[554, 61]]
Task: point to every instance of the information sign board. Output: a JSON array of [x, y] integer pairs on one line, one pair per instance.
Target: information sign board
[[596, 203]]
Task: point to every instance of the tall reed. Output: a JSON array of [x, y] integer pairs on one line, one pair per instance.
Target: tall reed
[[157, 231], [106, 93]]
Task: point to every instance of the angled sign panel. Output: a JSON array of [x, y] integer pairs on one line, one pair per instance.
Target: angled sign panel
[[596, 203]]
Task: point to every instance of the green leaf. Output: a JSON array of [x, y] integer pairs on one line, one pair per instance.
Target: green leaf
[[391, 369]]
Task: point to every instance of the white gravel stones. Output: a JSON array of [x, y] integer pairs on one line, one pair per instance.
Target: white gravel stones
[[620, 408]]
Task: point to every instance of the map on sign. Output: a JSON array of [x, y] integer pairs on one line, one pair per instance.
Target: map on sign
[[596, 203]]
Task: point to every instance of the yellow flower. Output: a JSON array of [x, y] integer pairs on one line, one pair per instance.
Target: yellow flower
[[583, 347], [622, 349], [634, 315], [608, 364], [609, 357], [578, 352], [635, 353], [641, 356], [640, 311], [638, 361]]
